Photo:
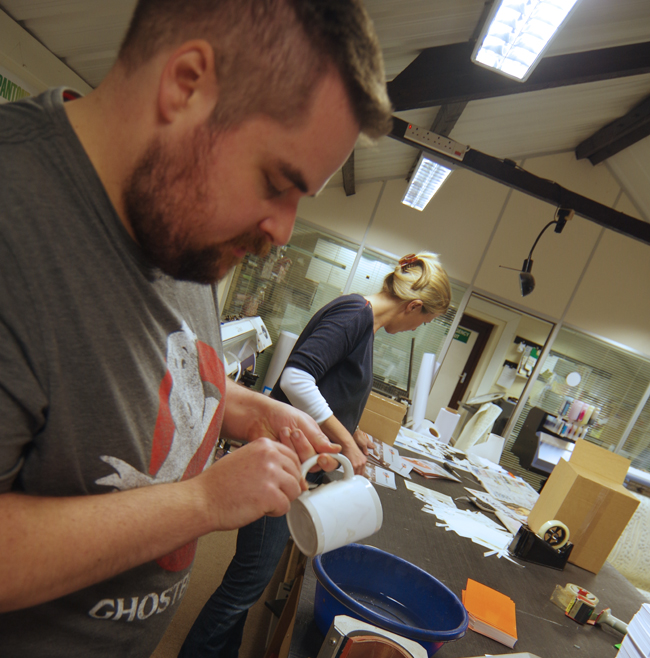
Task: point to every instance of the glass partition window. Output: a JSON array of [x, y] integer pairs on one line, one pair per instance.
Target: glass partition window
[[289, 285], [637, 444], [611, 381]]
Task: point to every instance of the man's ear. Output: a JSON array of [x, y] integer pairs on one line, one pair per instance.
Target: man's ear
[[188, 83]]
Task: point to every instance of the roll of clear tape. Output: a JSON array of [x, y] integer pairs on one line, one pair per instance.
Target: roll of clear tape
[[554, 533], [577, 591], [576, 602], [583, 605]]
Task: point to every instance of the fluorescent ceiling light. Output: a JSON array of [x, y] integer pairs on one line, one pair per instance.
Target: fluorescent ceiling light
[[516, 34], [425, 182]]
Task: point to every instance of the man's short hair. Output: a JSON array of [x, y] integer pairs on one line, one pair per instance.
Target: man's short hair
[[270, 54]]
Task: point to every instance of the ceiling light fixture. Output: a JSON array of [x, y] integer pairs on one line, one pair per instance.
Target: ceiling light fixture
[[425, 182], [526, 279], [430, 174], [516, 34]]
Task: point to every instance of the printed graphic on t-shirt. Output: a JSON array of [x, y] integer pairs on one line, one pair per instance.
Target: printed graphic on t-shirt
[[187, 427], [132, 608]]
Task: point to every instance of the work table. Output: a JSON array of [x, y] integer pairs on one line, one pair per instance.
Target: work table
[[542, 627]]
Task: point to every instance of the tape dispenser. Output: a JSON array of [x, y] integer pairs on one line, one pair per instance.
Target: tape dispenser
[[549, 546], [578, 604]]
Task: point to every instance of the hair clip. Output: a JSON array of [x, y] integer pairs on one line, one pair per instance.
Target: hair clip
[[407, 261]]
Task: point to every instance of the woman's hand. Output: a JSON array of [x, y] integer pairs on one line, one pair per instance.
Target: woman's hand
[[363, 440], [336, 432], [356, 457]]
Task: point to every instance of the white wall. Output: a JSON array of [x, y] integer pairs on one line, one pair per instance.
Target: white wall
[[612, 299], [456, 224]]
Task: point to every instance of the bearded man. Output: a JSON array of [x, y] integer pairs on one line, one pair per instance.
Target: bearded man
[[120, 211]]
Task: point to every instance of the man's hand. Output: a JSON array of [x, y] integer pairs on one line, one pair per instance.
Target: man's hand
[[250, 416], [363, 440], [54, 546], [258, 479]]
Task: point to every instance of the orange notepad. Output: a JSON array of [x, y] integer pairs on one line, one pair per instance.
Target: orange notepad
[[490, 612]]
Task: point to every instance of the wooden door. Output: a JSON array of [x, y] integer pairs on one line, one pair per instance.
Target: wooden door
[[484, 330]]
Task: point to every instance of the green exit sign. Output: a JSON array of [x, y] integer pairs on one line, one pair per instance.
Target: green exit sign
[[462, 335]]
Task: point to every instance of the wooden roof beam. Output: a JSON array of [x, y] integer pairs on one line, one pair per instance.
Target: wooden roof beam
[[509, 173], [348, 176], [445, 121], [445, 74], [617, 135]]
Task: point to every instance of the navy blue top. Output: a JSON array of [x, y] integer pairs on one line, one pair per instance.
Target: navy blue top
[[335, 348]]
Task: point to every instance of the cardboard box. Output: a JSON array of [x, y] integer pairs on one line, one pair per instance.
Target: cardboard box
[[587, 495], [382, 418]]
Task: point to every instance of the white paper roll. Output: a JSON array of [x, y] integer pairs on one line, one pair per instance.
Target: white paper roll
[[423, 388], [446, 422], [283, 348]]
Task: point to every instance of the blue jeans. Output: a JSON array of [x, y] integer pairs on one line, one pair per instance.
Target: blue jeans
[[218, 630]]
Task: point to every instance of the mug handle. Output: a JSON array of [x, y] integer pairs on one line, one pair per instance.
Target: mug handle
[[348, 471]]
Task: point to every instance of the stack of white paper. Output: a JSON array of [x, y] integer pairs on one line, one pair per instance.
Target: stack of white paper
[[511, 490], [637, 641]]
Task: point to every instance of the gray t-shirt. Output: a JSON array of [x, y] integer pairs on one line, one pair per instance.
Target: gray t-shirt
[[110, 376]]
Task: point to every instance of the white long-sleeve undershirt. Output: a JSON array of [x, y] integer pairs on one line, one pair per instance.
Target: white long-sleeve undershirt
[[301, 390]]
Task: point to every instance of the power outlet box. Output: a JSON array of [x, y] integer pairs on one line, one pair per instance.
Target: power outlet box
[[436, 142]]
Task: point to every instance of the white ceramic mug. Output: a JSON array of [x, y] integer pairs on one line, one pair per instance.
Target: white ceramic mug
[[334, 514]]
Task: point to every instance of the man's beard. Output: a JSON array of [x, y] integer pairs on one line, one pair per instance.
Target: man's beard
[[164, 200]]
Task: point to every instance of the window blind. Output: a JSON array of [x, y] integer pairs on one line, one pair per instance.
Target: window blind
[[612, 380]]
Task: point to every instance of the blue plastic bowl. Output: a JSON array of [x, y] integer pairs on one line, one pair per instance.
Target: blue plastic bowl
[[386, 591]]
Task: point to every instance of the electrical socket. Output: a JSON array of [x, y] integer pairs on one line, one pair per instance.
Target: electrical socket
[[436, 142]]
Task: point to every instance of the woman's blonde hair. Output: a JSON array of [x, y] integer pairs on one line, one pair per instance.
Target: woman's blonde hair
[[420, 277]]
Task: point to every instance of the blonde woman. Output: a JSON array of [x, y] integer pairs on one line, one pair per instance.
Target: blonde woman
[[329, 372]]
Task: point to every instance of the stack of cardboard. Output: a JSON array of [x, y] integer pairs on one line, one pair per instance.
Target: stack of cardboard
[[382, 418], [587, 495]]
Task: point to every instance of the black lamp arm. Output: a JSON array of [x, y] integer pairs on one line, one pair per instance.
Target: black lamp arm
[[530, 255]]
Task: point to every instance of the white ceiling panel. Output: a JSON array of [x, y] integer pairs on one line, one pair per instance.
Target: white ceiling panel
[[602, 24], [632, 168], [85, 34], [549, 120], [406, 28]]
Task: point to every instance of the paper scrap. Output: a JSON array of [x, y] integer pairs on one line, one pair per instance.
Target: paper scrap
[[384, 454], [481, 462], [429, 495], [423, 445], [507, 488], [511, 516], [473, 525], [402, 468]]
